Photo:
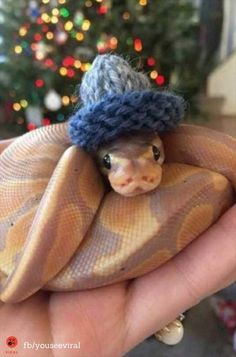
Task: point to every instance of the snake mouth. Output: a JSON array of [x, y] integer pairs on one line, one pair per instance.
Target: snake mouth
[[138, 190]]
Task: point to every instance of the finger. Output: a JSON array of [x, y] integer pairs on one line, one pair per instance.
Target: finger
[[205, 266]]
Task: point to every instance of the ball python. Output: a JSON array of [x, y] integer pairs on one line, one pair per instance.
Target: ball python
[[62, 230]]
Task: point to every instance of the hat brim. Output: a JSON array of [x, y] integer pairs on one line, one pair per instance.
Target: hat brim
[[102, 122]]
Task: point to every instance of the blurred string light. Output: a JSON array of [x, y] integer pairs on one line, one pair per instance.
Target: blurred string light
[[86, 25], [23, 31], [126, 15], [17, 107], [63, 71], [70, 73], [54, 20], [18, 49], [138, 46], [64, 12], [55, 12], [143, 2], [37, 37], [46, 121], [24, 103], [79, 36], [39, 83], [45, 17], [45, 1], [49, 35], [68, 61], [88, 3], [61, 2], [77, 64], [20, 121], [65, 100], [31, 126], [154, 74], [151, 61], [113, 43], [68, 25], [160, 80], [102, 10]]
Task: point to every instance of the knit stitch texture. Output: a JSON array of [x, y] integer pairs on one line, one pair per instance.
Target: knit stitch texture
[[116, 101]]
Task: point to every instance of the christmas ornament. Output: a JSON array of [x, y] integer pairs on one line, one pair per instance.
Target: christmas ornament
[[53, 101]]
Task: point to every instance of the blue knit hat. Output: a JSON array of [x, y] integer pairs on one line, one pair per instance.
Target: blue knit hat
[[118, 100]]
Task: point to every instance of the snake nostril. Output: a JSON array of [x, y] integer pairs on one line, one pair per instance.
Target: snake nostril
[[129, 180], [148, 179]]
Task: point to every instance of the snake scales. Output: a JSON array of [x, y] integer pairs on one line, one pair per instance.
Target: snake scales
[[61, 230]]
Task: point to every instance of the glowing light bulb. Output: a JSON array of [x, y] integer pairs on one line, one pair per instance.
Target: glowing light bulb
[[86, 25], [49, 35], [153, 74], [54, 20], [138, 45], [65, 100], [69, 25], [88, 3], [64, 12], [17, 107], [143, 2], [160, 80], [45, 1], [45, 17], [63, 71], [55, 12], [18, 50], [113, 43], [39, 56], [24, 103], [77, 64], [87, 66], [62, 2], [79, 36], [126, 15], [23, 31]]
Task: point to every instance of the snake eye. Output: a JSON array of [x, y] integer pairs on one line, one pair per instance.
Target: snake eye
[[107, 161], [156, 153]]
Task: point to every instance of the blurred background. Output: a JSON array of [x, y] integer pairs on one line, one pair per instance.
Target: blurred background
[[186, 46]]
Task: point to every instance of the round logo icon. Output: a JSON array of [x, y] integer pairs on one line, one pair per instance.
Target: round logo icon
[[11, 341]]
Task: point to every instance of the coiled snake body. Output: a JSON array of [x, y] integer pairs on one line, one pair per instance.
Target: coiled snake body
[[61, 230]]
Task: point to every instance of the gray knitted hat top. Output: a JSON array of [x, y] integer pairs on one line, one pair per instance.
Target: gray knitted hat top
[[118, 100]]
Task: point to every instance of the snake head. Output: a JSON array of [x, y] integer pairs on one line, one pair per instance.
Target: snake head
[[133, 163]]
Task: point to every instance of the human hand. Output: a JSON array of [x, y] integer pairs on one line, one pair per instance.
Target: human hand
[[110, 321]]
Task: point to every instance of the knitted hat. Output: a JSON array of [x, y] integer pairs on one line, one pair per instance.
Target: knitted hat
[[118, 100]]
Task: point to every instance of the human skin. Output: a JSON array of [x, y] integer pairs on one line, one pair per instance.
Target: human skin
[[110, 321]]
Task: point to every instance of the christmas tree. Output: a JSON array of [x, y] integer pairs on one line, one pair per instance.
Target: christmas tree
[[47, 45]]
